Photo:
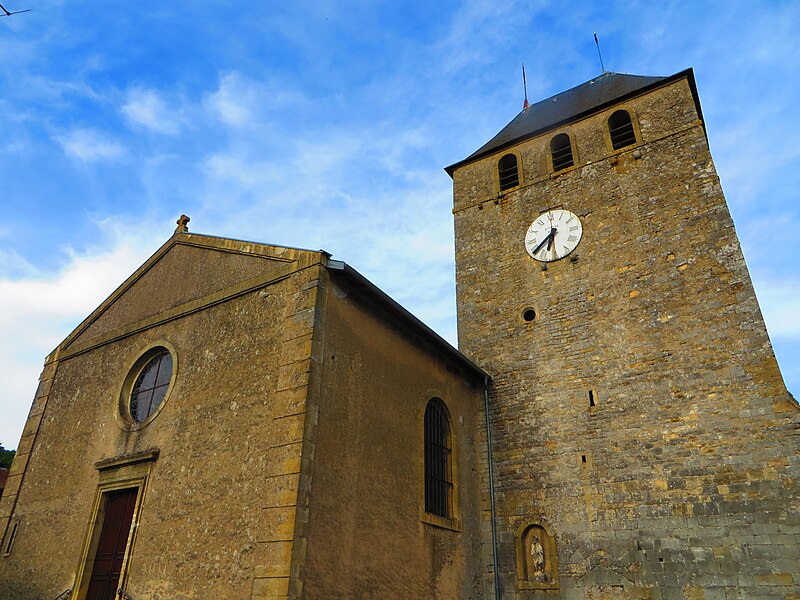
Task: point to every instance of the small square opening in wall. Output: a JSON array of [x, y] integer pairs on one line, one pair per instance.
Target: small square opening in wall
[[584, 461]]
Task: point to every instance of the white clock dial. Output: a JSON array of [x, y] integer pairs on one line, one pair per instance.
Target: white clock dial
[[553, 235]]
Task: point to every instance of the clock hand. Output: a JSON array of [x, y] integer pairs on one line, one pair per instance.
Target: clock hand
[[542, 243], [549, 238], [552, 238]]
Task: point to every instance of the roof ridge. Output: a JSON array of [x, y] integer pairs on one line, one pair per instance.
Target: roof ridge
[[255, 242], [590, 82]]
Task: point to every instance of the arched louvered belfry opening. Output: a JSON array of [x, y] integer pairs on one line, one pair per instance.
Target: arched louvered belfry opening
[[438, 460], [621, 129], [508, 170], [561, 151]]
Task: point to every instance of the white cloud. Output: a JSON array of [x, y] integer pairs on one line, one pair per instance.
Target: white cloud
[[241, 101], [356, 170], [90, 146], [475, 27], [147, 109], [56, 90], [233, 101], [243, 173], [37, 312], [13, 263]]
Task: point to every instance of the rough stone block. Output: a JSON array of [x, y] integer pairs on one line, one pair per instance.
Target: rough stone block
[[270, 587], [277, 524], [276, 560]]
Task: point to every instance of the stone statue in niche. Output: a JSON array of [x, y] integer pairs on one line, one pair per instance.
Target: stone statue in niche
[[537, 556], [537, 559]]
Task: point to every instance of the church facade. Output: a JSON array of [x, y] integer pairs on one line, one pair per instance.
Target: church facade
[[241, 420]]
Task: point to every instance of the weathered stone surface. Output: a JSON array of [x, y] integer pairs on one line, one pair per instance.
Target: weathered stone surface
[[226, 467], [253, 485], [367, 537], [686, 463]]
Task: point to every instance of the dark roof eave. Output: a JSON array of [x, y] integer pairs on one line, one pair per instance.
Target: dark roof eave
[[687, 73], [408, 317]]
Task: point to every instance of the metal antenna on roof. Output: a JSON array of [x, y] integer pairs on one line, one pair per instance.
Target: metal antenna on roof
[[597, 43], [7, 13], [525, 88]]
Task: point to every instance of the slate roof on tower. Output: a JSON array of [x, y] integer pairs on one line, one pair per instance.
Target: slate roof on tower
[[592, 96]]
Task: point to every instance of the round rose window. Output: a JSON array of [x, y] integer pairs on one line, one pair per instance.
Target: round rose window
[[151, 385]]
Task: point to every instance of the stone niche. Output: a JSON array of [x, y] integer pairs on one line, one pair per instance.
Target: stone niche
[[537, 560]]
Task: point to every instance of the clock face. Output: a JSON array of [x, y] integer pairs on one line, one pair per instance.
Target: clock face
[[553, 235]]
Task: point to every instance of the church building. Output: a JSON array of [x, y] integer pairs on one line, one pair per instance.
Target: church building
[[240, 420]]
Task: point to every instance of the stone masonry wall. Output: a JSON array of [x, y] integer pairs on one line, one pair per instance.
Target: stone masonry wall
[[367, 532], [218, 515], [683, 480]]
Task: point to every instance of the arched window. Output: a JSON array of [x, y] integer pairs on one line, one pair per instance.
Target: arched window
[[561, 151], [438, 460], [621, 129], [508, 171]]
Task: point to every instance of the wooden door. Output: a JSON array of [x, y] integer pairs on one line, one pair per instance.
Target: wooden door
[[107, 563]]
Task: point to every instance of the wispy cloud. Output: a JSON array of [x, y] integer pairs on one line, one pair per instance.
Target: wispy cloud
[[233, 102], [240, 100], [328, 127], [13, 264], [474, 27], [146, 108], [90, 146]]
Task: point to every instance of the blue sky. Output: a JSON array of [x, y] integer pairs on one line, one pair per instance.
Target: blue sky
[[327, 125]]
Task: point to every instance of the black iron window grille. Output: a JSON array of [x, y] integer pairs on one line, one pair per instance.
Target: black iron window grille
[[438, 460], [508, 171], [621, 129], [561, 151]]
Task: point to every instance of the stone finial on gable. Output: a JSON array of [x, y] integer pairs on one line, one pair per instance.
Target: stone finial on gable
[[183, 224]]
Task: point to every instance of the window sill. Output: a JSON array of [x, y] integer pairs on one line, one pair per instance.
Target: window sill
[[624, 149], [453, 524], [565, 170]]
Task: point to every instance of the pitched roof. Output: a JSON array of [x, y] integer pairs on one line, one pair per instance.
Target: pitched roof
[[405, 316], [577, 102], [255, 279]]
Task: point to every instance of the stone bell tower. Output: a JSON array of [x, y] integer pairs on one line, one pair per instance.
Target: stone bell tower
[[644, 443]]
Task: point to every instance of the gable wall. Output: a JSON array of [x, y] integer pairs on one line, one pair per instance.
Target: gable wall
[[217, 517], [185, 272]]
